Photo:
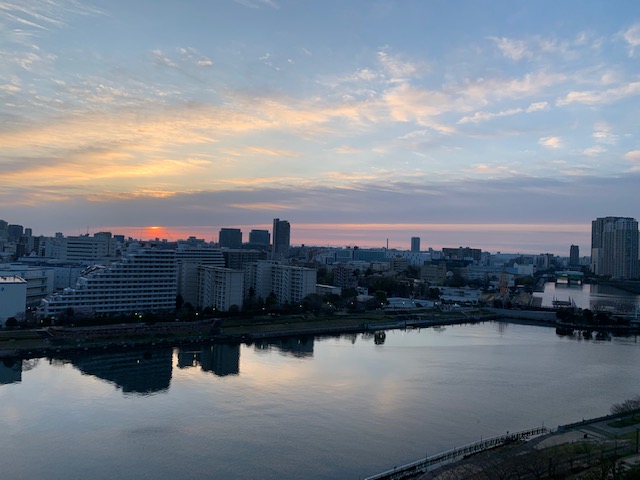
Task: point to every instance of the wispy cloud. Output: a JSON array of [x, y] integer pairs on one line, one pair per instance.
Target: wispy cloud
[[632, 37], [594, 97], [512, 49], [485, 116], [258, 3], [551, 142]]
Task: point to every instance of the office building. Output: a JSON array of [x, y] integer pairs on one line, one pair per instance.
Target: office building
[[415, 244], [281, 238], [259, 239], [145, 280], [614, 247], [230, 238], [14, 232]]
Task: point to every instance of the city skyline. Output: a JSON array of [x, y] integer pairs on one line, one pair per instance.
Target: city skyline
[[501, 126]]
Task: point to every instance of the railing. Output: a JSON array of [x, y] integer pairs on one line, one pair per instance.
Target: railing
[[421, 466]]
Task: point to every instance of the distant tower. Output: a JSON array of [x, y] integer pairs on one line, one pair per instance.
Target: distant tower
[[574, 256], [259, 238], [230, 238], [415, 244], [281, 237]]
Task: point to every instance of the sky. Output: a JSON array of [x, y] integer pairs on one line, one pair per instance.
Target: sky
[[501, 125]]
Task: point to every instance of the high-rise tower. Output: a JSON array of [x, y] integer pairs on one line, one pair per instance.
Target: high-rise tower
[[415, 244], [281, 237], [614, 247]]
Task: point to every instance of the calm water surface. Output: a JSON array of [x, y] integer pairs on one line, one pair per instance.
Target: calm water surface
[[589, 296], [313, 408]]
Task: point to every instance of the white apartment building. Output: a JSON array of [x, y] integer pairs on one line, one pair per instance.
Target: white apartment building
[[40, 281], [188, 259], [144, 280], [289, 283], [101, 245], [220, 287], [13, 294]]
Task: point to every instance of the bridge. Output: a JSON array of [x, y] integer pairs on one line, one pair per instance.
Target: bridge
[[412, 469]]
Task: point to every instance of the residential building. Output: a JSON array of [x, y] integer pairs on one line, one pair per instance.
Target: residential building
[[40, 280], [144, 280], [345, 275], [460, 253], [289, 284], [614, 247], [13, 295], [101, 246], [434, 274], [189, 257], [220, 287], [230, 238], [238, 258]]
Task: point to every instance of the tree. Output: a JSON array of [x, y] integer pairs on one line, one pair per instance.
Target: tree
[[626, 406], [11, 322]]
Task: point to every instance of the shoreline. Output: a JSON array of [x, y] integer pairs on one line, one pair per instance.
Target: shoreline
[[54, 340]]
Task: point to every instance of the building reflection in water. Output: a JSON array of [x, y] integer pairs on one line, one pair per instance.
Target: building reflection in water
[[135, 371], [221, 358], [10, 371], [300, 347]]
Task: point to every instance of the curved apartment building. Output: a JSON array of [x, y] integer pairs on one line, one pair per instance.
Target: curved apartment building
[[145, 280]]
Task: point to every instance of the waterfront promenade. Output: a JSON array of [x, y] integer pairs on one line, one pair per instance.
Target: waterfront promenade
[[608, 442]]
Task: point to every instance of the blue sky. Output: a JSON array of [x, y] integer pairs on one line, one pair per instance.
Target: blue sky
[[498, 125]]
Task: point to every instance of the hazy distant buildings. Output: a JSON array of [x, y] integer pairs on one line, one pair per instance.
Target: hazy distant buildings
[[281, 237], [460, 253], [614, 247], [415, 244], [230, 238]]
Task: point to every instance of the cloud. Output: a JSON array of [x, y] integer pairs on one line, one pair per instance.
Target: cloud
[[512, 49], [258, 3], [551, 142], [346, 150], [632, 37], [594, 151], [486, 116], [633, 156], [602, 134], [591, 97]]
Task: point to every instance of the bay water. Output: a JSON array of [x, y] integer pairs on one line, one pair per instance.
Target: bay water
[[311, 407]]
